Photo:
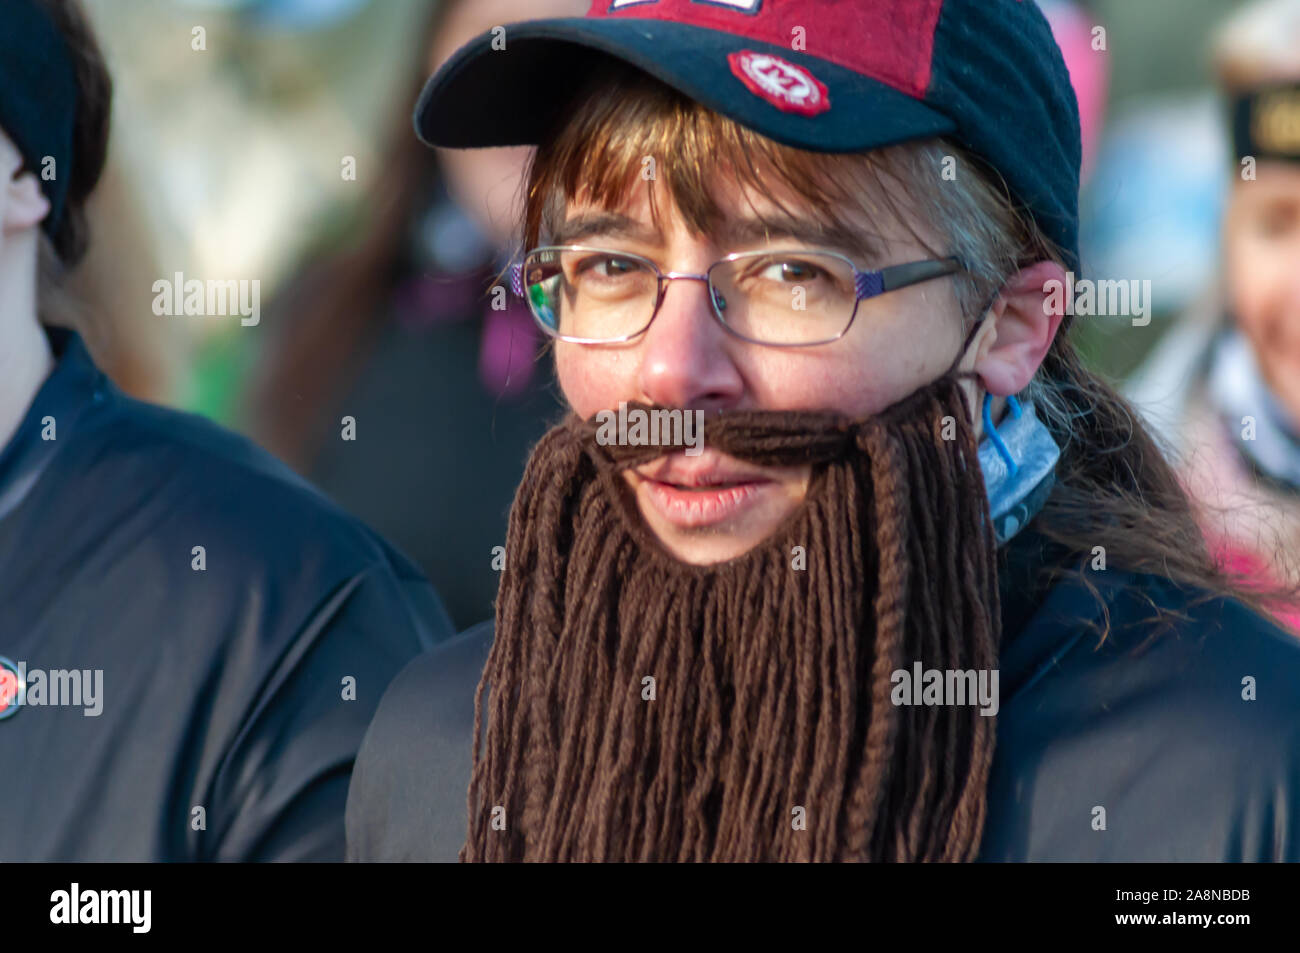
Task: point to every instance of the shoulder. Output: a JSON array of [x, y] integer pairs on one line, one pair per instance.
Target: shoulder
[[199, 495], [200, 464], [251, 573], [1218, 666], [1176, 737], [1204, 632], [407, 799], [436, 685], [208, 581]]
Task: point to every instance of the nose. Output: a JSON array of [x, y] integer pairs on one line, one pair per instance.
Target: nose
[[686, 355]]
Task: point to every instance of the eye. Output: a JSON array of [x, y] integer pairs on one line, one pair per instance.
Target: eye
[[794, 271], [1276, 220], [607, 266]]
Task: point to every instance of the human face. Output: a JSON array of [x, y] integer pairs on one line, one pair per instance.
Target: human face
[[1262, 245], [711, 507], [485, 182], [11, 161]]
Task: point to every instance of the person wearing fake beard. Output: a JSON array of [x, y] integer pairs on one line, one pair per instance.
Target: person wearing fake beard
[[1224, 387], [748, 647]]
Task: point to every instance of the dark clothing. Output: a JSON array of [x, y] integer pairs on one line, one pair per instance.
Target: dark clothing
[[1158, 735], [226, 673], [453, 440]]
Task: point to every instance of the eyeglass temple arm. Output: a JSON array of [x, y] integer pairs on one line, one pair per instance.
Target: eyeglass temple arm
[[872, 283]]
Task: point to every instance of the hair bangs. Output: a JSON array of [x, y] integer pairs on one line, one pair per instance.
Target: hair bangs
[[629, 128]]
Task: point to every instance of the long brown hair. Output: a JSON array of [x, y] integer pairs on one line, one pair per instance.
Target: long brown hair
[[1114, 488], [329, 317]]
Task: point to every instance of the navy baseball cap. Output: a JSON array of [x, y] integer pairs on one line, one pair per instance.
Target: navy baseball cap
[[822, 75]]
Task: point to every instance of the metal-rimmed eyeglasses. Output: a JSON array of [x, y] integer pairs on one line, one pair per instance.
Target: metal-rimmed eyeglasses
[[792, 298]]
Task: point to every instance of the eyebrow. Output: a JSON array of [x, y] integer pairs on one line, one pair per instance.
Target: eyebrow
[[737, 233], [734, 233], [604, 224]]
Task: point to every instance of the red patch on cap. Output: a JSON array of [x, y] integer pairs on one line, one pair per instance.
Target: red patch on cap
[[786, 86], [888, 40]]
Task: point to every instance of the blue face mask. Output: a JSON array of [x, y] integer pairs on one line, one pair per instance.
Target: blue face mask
[[1018, 460]]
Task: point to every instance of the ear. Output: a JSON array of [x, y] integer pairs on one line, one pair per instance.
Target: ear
[[25, 205], [1023, 329]]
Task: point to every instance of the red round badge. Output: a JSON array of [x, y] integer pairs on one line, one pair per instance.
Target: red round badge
[[786, 86], [10, 688]]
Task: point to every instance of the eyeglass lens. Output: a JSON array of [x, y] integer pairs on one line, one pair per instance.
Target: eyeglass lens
[[770, 297]]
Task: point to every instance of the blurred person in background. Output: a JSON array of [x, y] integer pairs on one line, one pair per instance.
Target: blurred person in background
[[1224, 387], [1074, 27], [192, 640], [402, 330]]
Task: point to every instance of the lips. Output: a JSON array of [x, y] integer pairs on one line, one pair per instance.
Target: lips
[[692, 492]]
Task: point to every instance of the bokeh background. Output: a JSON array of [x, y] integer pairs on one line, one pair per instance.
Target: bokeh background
[[226, 163]]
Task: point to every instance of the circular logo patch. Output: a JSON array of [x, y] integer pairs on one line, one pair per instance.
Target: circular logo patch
[[11, 688], [786, 86]]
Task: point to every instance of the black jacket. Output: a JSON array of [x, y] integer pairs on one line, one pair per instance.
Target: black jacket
[[1154, 731], [234, 684]]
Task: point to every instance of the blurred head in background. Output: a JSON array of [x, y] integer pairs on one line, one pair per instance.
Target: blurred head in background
[[334, 311], [486, 182], [393, 320], [83, 129], [54, 116], [1257, 56], [57, 97]]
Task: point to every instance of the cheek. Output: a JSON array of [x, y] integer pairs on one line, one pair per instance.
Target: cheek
[[594, 378], [884, 358], [849, 381], [1250, 277], [1263, 290]]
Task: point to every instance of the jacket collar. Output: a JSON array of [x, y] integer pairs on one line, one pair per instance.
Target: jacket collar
[[73, 387], [1238, 392]]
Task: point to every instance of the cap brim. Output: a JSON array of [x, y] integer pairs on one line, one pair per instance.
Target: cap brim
[[513, 96]]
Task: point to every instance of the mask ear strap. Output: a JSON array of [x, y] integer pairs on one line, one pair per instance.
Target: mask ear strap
[[965, 346], [991, 432]]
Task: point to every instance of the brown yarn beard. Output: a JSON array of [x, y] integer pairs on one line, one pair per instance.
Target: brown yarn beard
[[772, 684]]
